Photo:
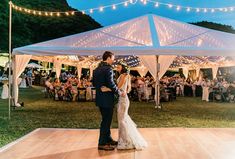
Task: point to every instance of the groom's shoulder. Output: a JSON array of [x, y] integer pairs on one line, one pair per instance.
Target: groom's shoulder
[[105, 68]]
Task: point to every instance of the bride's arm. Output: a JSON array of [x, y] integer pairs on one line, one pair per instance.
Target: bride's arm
[[121, 81]]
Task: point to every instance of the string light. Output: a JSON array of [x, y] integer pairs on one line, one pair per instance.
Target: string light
[[190, 8], [124, 3], [70, 13]]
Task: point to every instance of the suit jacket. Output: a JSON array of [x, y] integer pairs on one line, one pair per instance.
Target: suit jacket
[[103, 76]]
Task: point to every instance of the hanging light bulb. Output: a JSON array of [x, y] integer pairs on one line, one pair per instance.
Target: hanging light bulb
[[145, 2], [170, 5], [157, 4], [231, 9], [58, 14], [67, 13], [205, 10], [34, 12], [125, 4], [72, 12], [46, 14], [101, 9], [212, 10], [114, 7], [83, 12], [178, 8], [197, 10], [51, 14], [39, 13], [91, 10], [188, 9]]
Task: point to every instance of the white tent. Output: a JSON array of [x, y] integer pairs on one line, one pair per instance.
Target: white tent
[[146, 35], [34, 65]]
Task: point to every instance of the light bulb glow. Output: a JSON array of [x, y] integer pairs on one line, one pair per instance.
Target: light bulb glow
[[101, 9], [157, 4]]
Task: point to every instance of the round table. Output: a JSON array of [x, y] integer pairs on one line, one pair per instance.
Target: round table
[[5, 93]]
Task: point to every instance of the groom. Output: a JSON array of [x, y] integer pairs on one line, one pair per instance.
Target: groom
[[103, 76]]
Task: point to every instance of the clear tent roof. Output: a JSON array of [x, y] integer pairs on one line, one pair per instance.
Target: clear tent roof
[[145, 35]]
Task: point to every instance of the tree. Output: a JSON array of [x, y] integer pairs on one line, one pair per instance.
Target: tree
[[28, 29]]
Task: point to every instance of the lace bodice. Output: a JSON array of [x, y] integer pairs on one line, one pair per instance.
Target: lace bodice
[[126, 82]]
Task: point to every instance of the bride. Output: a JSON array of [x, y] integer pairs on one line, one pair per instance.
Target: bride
[[128, 135]]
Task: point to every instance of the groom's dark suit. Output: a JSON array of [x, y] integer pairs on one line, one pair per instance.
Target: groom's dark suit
[[103, 76]]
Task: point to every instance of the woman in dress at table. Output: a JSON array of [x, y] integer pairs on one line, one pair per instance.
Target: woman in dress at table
[[205, 89], [23, 81], [57, 86], [88, 90]]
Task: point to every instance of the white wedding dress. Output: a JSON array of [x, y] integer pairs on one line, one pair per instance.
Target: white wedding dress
[[129, 137]]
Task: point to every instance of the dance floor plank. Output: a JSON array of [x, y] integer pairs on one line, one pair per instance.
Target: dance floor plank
[[164, 143]]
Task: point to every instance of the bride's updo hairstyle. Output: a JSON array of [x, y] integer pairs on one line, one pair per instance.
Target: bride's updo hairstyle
[[125, 68]]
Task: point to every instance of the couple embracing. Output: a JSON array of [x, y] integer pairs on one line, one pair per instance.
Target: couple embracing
[[106, 90]]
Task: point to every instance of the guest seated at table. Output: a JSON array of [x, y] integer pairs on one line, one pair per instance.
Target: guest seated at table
[[59, 93], [49, 90]]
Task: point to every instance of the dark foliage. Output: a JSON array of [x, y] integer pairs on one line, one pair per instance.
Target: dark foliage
[[28, 29]]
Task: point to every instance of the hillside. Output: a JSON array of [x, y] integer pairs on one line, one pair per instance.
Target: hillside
[[28, 29], [216, 26]]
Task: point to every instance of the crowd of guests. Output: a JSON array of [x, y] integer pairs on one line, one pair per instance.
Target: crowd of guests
[[208, 90], [71, 88]]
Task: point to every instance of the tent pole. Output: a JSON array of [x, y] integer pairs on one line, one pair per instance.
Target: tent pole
[[157, 88], [10, 61]]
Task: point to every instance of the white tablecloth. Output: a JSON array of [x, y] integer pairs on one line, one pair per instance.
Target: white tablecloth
[[4, 94]]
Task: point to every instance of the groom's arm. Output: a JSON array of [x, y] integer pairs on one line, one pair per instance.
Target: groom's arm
[[110, 81]]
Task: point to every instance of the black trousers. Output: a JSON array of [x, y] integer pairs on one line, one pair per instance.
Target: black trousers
[[198, 91], [105, 134]]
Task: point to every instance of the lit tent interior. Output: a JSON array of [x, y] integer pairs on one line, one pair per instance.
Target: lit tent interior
[[145, 37]]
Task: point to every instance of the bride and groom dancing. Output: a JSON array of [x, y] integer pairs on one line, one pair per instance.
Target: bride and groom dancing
[[106, 90]]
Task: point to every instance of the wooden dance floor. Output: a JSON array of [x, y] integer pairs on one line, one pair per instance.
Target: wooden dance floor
[[164, 143]]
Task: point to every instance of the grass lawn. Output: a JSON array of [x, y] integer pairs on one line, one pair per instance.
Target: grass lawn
[[41, 112]]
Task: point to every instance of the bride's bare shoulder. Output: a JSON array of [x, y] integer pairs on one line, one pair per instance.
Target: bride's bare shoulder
[[123, 75]]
